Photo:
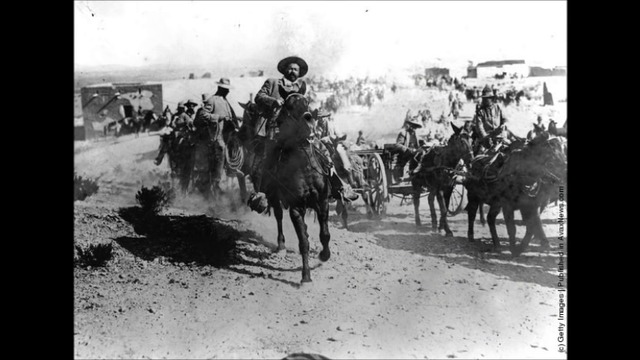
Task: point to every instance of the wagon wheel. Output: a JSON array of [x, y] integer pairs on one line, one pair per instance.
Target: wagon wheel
[[456, 200], [377, 192]]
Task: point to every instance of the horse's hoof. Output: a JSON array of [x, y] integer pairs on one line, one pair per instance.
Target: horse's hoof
[[324, 255], [472, 240], [305, 280], [448, 234], [544, 247], [515, 251]]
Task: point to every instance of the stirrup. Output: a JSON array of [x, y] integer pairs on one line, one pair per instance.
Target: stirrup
[[353, 197]]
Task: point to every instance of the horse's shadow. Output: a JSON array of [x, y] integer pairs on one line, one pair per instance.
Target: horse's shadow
[[532, 266], [363, 223], [199, 240]]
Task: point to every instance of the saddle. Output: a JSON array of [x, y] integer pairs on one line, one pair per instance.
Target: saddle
[[486, 167]]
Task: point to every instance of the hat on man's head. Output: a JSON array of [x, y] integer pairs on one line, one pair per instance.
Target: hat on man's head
[[190, 102], [224, 83], [322, 113], [413, 121], [282, 65], [180, 104], [487, 92]]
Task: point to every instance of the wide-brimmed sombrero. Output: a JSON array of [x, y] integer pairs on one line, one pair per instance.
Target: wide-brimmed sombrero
[[282, 65]]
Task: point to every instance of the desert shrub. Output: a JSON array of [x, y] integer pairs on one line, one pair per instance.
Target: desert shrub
[[94, 255], [83, 188], [153, 200]]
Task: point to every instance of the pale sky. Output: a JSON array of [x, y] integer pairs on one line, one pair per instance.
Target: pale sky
[[331, 35]]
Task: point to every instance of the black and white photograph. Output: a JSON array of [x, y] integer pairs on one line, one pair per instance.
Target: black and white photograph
[[309, 180]]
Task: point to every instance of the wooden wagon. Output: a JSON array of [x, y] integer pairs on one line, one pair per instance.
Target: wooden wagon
[[377, 171]]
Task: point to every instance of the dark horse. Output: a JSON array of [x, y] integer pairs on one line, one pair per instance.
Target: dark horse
[[436, 175], [300, 181], [525, 178]]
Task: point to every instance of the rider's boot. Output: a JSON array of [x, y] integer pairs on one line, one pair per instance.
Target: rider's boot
[[419, 167], [397, 174], [341, 190]]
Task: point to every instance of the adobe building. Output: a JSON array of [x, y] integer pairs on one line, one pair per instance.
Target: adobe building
[[105, 104]]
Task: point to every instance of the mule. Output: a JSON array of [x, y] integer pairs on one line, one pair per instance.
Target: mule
[[435, 173], [525, 177]]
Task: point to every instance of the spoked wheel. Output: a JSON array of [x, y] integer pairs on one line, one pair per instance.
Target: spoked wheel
[[377, 192], [458, 194]]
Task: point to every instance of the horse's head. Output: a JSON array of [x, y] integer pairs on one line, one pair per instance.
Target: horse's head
[[547, 154], [298, 122], [460, 144]]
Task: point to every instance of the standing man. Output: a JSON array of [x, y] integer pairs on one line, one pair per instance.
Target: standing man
[[455, 107], [210, 147], [361, 141]]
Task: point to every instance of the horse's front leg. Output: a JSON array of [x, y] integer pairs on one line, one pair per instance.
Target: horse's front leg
[[416, 207], [432, 210], [539, 233], [494, 210], [509, 220], [481, 210], [472, 208], [297, 218], [323, 220], [444, 224], [277, 212], [528, 214]]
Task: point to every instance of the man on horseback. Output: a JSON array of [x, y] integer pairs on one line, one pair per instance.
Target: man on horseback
[[191, 106], [209, 122], [490, 123], [177, 140], [179, 127], [269, 100]]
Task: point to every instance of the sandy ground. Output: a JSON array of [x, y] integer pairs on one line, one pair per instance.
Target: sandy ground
[[390, 289]]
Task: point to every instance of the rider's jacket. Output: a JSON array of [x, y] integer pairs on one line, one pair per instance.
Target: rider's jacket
[[209, 118], [487, 119], [266, 101]]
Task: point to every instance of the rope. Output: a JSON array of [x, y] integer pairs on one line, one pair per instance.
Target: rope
[[234, 156]]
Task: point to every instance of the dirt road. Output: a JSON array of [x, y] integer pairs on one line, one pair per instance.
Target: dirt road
[[390, 290]]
